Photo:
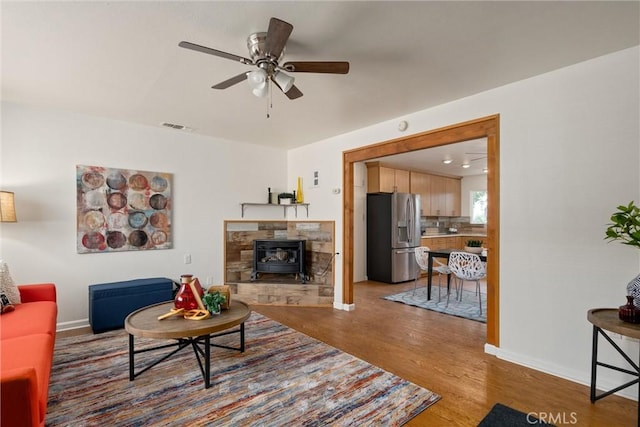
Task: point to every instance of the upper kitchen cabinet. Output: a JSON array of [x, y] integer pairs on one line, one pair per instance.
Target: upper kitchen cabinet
[[439, 195], [421, 184], [444, 196], [382, 179], [453, 191]]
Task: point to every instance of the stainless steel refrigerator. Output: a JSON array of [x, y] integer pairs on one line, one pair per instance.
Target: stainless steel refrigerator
[[393, 233]]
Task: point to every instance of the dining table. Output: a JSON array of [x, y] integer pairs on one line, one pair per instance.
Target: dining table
[[442, 253]]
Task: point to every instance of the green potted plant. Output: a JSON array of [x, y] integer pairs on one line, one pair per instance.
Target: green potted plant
[[473, 246], [213, 301], [625, 227]]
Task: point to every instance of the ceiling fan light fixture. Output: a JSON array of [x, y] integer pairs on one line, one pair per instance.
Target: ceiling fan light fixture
[[284, 81], [257, 79], [261, 92]]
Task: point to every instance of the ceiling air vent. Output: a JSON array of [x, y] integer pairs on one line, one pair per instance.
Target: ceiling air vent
[[176, 126]]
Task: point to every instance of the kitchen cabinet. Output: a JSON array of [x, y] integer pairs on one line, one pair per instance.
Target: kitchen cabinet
[[438, 196], [420, 183], [445, 196], [442, 242], [382, 179], [453, 195]]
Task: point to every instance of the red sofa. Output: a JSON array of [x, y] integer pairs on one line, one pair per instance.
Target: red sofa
[[27, 339]]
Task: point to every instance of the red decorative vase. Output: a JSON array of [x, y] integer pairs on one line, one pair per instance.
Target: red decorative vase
[[629, 312], [185, 298]]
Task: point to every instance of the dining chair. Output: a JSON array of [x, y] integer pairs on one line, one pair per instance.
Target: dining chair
[[467, 266], [422, 258]]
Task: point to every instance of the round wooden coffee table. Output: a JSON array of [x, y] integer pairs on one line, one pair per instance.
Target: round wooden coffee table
[[144, 323]]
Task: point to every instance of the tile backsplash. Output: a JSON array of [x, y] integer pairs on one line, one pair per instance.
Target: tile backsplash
[[441, 225]]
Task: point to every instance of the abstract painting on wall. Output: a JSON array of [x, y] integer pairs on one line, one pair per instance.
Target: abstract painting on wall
[[122, 210]]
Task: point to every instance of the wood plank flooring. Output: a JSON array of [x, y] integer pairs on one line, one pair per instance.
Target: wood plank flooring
[[445, 354]]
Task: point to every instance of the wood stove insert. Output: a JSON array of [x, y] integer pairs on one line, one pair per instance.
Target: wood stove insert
[[279, 256]]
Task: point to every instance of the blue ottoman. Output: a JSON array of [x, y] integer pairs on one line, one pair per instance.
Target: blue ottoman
[[111, 303]]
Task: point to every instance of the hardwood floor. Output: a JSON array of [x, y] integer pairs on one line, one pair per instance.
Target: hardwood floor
[[445, 354]]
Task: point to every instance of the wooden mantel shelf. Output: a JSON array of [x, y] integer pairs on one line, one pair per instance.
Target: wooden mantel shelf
[[285, 207]]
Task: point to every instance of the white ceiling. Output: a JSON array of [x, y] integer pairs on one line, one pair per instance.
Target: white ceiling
[[121, 59], [473, 153]]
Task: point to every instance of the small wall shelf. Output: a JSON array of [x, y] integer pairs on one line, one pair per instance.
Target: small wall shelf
[[284, 207]]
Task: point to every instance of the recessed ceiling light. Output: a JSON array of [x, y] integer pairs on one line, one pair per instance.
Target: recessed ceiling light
[[447, 161], [485, 170], [465, 165]]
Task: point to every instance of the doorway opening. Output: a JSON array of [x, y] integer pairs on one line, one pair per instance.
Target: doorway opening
[[487, 127]]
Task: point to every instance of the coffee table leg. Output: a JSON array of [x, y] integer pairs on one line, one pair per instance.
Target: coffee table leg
[[207, 361], [242, 337], [131, 374]]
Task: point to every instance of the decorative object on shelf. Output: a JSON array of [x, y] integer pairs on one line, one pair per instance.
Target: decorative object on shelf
[[285, 198], [269, 195], [300, 196], [633, 288], [473, 246], [629, 312], [284, 206], [625, 226], [189, 296]]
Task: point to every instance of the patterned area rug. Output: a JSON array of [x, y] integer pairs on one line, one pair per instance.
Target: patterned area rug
[[467, 307], [283, 378]]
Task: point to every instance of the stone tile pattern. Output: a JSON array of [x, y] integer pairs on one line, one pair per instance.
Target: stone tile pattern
[[281, 289]]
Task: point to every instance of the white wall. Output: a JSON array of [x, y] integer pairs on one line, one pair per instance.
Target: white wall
[[569, 154], [40, 150]]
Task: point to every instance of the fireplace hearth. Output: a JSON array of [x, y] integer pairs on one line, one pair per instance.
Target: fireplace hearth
[[279, 257]]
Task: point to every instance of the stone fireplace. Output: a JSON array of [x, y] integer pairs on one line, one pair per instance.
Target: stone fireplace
[[274, 282], [280, 257]]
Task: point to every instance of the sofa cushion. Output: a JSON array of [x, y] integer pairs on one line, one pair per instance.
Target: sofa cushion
[[29, 318], [25, 364], [7, 286]]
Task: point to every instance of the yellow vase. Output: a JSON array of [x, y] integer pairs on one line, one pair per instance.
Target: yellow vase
[[299, 195]]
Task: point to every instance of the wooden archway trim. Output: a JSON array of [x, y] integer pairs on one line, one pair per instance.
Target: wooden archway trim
[[486, 127]]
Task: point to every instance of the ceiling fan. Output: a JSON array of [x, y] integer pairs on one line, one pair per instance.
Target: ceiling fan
[[266, 50]]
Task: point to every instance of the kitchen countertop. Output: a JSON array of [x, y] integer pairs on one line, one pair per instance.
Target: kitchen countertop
[[433, 236]]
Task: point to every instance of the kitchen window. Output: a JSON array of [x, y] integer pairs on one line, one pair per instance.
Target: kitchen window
[[479, 207]]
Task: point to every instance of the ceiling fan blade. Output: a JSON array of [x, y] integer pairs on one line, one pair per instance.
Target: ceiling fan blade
[[333, 67], [277, 36], [210, 51], [230, 82], [293, 93]]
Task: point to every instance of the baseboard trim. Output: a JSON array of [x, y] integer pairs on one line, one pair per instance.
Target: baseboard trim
[[75, 324], [561, 372], [491, 349], [345, 307]]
